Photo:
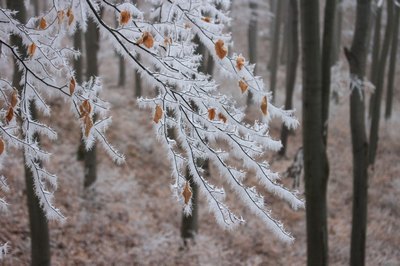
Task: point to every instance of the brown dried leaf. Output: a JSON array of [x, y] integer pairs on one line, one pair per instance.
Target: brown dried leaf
[[85, 108], [42, 23], [14, 99], [221, 49], [72, 84], [69, 12], [10, 114], [222, 117], [211, 113], [167, 41], [60, 16], [124, 17], [88, 125], [2, 146], [31, 49], [187, 192], [264, 105], [243, 86], [70, 19], [240, 62], [158, 114], [206, 19], [146, 39]]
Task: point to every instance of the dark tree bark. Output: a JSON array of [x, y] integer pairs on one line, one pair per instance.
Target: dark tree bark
[[285, 35], [39, 230], [291, 67], [327, 42], [392, 64], [92, 47], [376, 107], [375, 54], [315, 168], [121, 76], [356, 57], [275, 47], [138, 85], [252, 39], [190, 223], [337, 40]]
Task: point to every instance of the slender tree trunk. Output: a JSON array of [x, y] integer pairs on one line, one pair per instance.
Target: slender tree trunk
[[375, 55], [138, 85], [285, 35], [92, 47], [121, 77], [337, 40], [291, 67], [327, 42], [392, 64], [275, 47], [376, 108], [39, 230], [357, 57], [252, 39], [315, 168]]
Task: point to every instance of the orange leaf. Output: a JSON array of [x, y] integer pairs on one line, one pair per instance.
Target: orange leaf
[[10, 114], [60, 16], [221, 49], [31, 49], [124, 17], [70, 19], [187, 192], [69, 12], [240, 62], [146, 39], [85, 108], [14, 99], [42, 23], [158, 114], [211, 113], [222, 117], [2, 146], [72, 84], [264, 105], [243, 86], [206, 19]]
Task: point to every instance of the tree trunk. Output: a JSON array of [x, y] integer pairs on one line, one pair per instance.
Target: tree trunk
[[285, 35], [327, 42], [392, 64], [376, 107], [275, 48], [252, 39], [92, 47], [291, 67], [337, 40], [315, 168], [39, 230], [375, 55], [121, 77], [190, 223], [357, 60]]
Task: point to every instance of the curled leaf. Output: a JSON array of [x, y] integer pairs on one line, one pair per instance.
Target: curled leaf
[[146, 39], [2, 146], [264, 105], [158, 114], [243, 86], [72, 84], [31, 49], [124, 17], [42, 23], [88, 125], [85, 108], [240, 62], [211, 113], [222, 117], [206, 19], [221, 49], [187, 192], [70, 16], [60, 16], [14, 99], [10, 114]]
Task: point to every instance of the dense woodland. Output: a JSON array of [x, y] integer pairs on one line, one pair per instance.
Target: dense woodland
[[199, 132]]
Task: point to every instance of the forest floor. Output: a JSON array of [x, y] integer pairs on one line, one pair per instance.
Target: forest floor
[[129, 217]]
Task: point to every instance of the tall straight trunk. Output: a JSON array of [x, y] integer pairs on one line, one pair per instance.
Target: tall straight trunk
[[392, 64], [92, 47], [39, 230], [375, 55], [327, 42], [138, 85], [337, 40], [315, 168], [376, 108], [252, 39], [275, 47], [285, 35], [121, 76], [291, 67], [357, 57]]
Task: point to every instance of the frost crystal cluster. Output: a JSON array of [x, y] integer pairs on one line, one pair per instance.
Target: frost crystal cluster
[[160, 46]]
